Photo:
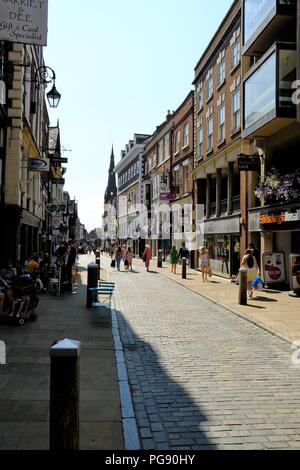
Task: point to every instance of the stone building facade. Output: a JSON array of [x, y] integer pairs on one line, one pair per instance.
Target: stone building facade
[[217, 144]]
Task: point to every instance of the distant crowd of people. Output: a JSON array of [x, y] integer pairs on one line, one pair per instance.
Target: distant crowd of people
[[251, 260]]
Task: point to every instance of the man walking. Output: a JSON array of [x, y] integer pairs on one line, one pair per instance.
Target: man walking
[[183, 252]]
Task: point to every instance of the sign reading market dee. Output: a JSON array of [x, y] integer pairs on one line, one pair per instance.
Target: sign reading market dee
[[24, 21]]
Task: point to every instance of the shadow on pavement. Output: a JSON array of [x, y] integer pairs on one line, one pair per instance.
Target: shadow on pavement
[[264, 299], [167, 416], [255, 306]]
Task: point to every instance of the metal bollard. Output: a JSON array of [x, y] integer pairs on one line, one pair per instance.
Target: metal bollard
[[192, 259], [183, 268], [64, 395], [92, 281], [159, 258], [243, 286], [98, 262]]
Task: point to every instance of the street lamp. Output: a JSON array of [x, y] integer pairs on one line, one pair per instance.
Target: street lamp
[[45, 75]]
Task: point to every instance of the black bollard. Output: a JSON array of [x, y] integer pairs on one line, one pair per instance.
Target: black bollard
[[98, 262], [92, 281], [192, 259], [243, 286], [159, 258], [64, 395], [183, 268]]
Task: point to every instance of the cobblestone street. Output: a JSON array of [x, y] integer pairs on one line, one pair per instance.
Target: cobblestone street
[[200, 377]]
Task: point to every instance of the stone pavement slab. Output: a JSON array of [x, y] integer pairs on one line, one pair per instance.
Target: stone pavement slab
[[25, 380], [200, 377], [271, 309]]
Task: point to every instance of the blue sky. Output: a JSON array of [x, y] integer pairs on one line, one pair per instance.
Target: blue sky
[[120, 65]]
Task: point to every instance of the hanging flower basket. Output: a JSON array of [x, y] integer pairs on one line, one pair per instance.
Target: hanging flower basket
[[279, 188]]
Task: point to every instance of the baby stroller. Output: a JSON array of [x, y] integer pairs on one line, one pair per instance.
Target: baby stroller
[[25, 299]]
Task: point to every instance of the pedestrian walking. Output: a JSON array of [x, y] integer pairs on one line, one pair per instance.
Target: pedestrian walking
[[118, 257], [147, 256], [249, 262], [183, 252], [174, 259], [124, 252], [255, 252], [129, 256], [204, 262], [72, 256]]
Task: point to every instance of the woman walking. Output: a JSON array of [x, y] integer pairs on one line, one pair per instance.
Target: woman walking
[[174, 260], [249, 262], [118, 257], [128, 261], [147, 256], [124, 252], [204, 262]]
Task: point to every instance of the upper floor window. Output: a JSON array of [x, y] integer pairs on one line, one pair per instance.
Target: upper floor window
[[177, 142], [236, 110], [222, 123], [210, 88], [186, 135], [166, 146], [200, 142], [176, 176], [161, 151], [185, 178], [210, 130], [255, 11], [200, 100], [236, 53], [222, 72]]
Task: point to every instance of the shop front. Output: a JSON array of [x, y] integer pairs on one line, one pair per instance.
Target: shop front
[[222, 240], [279, 229]]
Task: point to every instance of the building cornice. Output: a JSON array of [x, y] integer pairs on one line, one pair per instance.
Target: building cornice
[[220, 160], [129, 157]]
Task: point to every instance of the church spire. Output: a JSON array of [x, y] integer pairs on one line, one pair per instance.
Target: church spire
[[111, 190], [112, 159]]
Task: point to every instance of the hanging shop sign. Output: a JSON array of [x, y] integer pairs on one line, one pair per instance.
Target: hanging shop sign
[[58, 161], [51, 208], [166, 196], [295, 272], [38, 164], [24, 21], [249, 164], [58, 181], [274, 267]]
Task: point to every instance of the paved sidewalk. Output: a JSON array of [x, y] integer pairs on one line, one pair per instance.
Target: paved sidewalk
[[201, 377], [24, 381], [272, 310]]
